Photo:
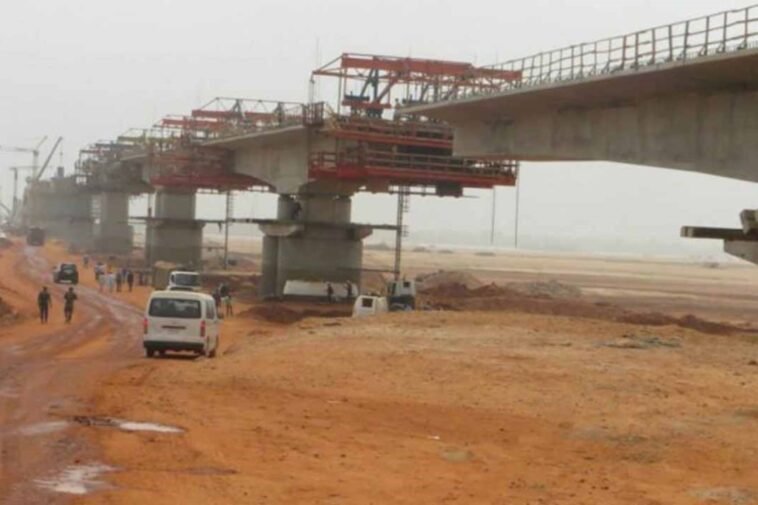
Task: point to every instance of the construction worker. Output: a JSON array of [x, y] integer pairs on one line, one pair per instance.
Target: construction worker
[[349, 289], [329, 292], [44, 302], [228, 304], [68, 304], [130, 280], [119, 280], [297, 209]]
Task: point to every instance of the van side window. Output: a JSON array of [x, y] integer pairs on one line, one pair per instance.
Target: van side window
[[367, 303]]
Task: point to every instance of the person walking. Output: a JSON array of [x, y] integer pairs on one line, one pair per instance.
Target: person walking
[[68, 304], [329, 292], [44, 302], [130, 280], [217, 297], [228, 304], [119, 280], [349, 289], [110, 279]]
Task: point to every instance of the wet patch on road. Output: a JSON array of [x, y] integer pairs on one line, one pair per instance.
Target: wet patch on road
[[125, 425], [77, 480], [44, 428], [726, 496]]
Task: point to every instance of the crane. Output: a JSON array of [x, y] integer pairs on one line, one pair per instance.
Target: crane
[[38, 175], [15, 185], [33, 150]]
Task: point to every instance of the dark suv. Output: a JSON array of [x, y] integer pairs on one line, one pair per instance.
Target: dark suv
[[66, 272]]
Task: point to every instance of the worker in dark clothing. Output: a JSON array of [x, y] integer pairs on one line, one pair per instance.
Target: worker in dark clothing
[[130, 280], [329, 292], [68, 304], [349, 289], [119, 280], [223, 290], [297, 209], [44, 301]]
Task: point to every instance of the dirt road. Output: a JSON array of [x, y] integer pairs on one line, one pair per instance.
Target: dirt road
[[485, 407], [47, 371]]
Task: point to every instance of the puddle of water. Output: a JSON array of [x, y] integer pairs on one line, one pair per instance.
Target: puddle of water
[[14, 350], [8, 392], [124, 425], [135, 426], [726, 495], [77, 480], [42, 428]]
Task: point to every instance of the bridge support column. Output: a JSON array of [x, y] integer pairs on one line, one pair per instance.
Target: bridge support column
[[312, 240], [112, 232], [74, 223], [173, 235]]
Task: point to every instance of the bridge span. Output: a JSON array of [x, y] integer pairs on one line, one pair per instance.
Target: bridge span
[[681, 96]]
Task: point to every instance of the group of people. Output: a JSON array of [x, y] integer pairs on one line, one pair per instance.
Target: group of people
[[111, 281], [45, 303], [330, 291], [223, 294]]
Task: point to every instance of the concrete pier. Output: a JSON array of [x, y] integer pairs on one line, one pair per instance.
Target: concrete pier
[[63, 209], [173, 235], [313, 240], [113, 234]]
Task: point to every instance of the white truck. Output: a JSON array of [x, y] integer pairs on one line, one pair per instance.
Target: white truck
[[183, 281], [401, 296]]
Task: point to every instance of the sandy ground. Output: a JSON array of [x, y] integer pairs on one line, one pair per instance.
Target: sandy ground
[[428, 407]]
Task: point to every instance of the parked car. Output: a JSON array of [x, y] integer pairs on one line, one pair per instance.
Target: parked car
[[66, 272], [181, 321]]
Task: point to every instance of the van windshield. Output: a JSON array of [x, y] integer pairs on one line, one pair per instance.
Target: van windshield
[[186, 279], [175, 308]]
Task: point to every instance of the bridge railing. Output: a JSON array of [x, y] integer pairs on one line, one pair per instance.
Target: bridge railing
[[724, 32]]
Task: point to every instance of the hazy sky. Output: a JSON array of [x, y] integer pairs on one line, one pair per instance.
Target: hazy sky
[[89, 70]]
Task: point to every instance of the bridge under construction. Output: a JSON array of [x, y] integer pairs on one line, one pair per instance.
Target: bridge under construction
[[678, 96]]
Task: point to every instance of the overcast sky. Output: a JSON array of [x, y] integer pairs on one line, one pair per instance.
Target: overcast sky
[[90, 69]]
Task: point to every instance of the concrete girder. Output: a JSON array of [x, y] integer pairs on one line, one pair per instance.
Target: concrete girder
[[741, 243], [714, 133]]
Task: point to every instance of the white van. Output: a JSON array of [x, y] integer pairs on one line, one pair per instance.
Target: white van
[[369, 306], [184, 281], [181, 321]]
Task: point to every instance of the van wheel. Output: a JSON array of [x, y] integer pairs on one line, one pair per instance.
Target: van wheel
[[150, 352], [212, 353]]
